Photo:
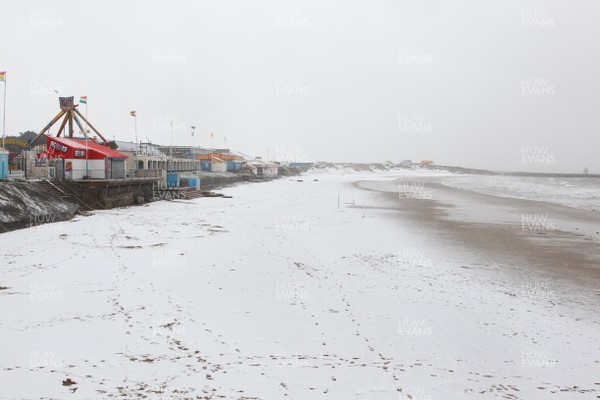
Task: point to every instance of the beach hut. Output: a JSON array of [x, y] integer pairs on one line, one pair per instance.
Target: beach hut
[[218, 165], [262, 169], [235, 165], [221, 155], [3, 163]]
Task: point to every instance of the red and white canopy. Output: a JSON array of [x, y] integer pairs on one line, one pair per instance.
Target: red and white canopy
[[60, 147]]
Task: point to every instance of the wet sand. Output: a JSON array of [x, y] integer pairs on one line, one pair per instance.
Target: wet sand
[[523, 236]]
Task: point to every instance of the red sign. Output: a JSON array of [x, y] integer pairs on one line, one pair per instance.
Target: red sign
[[76, 149]]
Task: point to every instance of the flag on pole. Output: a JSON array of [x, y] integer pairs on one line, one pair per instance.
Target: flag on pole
[[3, 76], [132, 113], [83, 99]]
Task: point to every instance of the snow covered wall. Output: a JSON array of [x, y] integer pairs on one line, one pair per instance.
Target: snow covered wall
[[30, 204]]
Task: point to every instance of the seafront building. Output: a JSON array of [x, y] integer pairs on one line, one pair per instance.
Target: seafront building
[[263, 169], [78, 164]]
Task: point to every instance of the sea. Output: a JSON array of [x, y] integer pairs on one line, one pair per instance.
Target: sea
[[576, 192]]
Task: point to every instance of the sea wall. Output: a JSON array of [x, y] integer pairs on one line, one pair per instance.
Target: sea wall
[[26, 204], [29, 204], [116, 194], [217, 180]]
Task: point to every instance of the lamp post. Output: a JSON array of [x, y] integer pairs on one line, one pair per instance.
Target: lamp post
[[85, 137], [171, 147], [4, 133], [135, 130], [193, 149], [136, 149]]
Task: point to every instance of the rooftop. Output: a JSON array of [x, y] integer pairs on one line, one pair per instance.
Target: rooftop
[[142, 149]]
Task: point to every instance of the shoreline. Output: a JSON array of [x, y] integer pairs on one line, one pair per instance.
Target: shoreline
[[566, 244]]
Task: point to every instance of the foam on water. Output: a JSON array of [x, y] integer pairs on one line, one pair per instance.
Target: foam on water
[[583, 193]]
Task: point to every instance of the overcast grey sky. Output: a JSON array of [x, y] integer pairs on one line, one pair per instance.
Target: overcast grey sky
[[509, 85]]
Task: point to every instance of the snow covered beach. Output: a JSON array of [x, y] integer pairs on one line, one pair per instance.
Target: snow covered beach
[[316, 289]]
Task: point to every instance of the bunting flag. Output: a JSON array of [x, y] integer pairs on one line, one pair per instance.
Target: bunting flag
[[3, 76], [132, 113], [83, 99]]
